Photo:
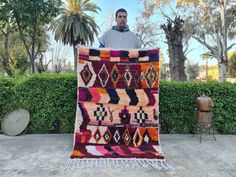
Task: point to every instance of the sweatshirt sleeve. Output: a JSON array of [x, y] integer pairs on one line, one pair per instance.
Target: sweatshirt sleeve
[[101, 41]]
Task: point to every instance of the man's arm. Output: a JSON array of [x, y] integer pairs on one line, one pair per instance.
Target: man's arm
[[102, 41]]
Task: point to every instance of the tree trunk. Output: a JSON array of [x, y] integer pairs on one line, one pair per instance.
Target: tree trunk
[[32, 65], [222, 71], [174, 36], [223, 66], [75, 56], [177, 60], [6, 56], [173, 63]]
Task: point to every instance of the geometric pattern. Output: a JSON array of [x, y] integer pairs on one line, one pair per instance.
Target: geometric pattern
[[119, 75], [97, 135], [86, 74], [141, 116], [126, 137], [151, 76], [116, 136], [137, 139], [127, 76], [117, 105], [124, 116], [107, 136], [103, 75], [100, 114], [111, 114], [136, 77], [137, 97], [102, 135], [115, 75]]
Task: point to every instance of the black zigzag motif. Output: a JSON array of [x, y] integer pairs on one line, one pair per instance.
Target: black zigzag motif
[[118, 97], [132, 94]]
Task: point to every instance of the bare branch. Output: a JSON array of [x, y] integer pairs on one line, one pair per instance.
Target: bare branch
[[203, 42], [164, 14], [231, 46], [2, 31], [175, 14], [189, 51]]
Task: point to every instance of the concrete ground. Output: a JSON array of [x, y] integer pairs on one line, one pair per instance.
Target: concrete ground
[[47, 155]]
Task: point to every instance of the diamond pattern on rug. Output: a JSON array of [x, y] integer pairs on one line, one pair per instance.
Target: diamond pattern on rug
[[115, 75], [126, 137], [107, 135], [136, 77], [116, 136], [103, 75], [86, 74], [151, 76], [147, 137], [127, 76], [97, 135], [137, 139]]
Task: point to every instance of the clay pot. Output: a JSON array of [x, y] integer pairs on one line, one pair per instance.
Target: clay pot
[[204, 103]]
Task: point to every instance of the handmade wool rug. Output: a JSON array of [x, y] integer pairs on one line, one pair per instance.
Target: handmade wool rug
[[117, 119]]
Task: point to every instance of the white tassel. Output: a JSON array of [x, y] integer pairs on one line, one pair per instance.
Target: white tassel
[[118, 163]]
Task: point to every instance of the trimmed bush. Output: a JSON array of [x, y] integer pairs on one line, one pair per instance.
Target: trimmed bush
[[51, 101], [177, 105], [6, 95]]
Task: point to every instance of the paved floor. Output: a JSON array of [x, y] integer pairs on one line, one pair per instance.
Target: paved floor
[[46, 156]]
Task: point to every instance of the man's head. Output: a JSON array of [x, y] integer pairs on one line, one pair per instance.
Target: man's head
[[121, 18]]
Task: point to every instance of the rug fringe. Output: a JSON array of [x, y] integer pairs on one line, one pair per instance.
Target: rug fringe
[[118, 163]]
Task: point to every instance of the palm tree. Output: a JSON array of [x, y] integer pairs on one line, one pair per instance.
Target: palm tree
[[74, 26]]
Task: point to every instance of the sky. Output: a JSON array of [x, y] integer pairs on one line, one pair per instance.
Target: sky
[[132, 7]]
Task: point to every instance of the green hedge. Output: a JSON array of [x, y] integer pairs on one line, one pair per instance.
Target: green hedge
[[6, 95], [177, 105], [51, 101]]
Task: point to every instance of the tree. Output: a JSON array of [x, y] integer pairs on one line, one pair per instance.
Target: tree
[[165, 71], [4, 53], [212, 23], [75, 26], [42, 64], [175, 35], [192, 70], [20, 63], [30, 18], [58, 58], [5, 30], [13, 56], [146, 29]]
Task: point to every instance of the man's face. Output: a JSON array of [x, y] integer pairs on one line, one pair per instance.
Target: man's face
[[121, 19]]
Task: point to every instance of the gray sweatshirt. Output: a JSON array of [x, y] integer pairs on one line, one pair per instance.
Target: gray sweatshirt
[[120, 40]]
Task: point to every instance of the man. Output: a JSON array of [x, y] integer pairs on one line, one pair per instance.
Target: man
[[120, 36]]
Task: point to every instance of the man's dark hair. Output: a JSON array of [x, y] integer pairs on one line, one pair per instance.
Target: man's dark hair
[[120, 10]]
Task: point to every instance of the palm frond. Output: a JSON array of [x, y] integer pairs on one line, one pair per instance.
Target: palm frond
[[75, 25]]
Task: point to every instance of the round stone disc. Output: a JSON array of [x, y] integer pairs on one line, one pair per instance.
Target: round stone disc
[[15, 122]]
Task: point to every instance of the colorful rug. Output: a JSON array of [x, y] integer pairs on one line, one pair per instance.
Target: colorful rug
[[117, 121]]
